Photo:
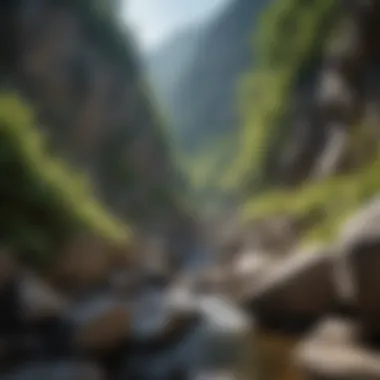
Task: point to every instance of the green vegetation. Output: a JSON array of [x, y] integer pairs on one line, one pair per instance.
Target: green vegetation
[[290, 45], [43, 200], [326, 203], [290, 39]]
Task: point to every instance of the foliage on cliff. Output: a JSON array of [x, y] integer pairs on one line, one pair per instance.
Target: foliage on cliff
[[289, 41], [300, 29], [323, 205], [42, 199]]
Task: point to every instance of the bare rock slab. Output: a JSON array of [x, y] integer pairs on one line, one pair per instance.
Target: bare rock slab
[[335, 350], [298, 290]]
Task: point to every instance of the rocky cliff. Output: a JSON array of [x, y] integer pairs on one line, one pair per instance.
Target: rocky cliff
[[310, 140], [72, 65]]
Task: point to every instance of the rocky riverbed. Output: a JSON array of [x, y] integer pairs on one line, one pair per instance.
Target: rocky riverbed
[[114, 330], [309, 315]]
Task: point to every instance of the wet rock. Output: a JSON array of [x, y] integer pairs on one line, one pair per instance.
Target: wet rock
[[298, 290], [216, 375], [334, 350], [38, 300], [56, 371], [84, 263], [162, 329], [225, 335], [126, 282], [248, 269], [218, 342], [159, 320], [163, 365], [30, 324], [212, 280], [361, 248], [100, 324]]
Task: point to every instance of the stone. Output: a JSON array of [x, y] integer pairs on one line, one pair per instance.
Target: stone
[[223, 340], [126, 282], [298, 290], [212, 280], [360, 242], [216, 375], [38, 300], [159, 318], [335, 350], [163, 365], [100, 324], [248, 269], [30, 320], [59, 370], [84, 263]]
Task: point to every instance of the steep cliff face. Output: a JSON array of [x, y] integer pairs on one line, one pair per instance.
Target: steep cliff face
[[312, 150], [74, 64]]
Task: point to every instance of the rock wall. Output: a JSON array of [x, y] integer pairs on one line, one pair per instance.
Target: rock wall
[[76, 64]]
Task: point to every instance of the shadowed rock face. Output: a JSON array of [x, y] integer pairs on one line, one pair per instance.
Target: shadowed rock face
[[361, 254], [365, 264], [77, 69], [298, 290]]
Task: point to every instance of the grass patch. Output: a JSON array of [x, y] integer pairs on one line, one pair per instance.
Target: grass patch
[[43, 199]]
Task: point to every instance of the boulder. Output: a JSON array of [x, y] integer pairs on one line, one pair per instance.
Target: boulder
[[248, 269], [163, 365], [99, 324], [223, 340], [126, 282], [84, 263], [216, 375], [296, 291], [38, 300], [57, 371], [335, 350], [160, 318], [212, 280], [30, 320], [360, 243]]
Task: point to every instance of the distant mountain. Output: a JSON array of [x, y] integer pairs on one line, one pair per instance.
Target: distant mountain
[[172, 60], [195, 74]]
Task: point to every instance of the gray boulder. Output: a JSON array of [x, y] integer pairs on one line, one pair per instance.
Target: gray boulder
[[334, 350], [296, 291]]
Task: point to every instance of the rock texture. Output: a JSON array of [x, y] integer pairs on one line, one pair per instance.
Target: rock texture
[[361, 241], [334, 351], [298, 290]]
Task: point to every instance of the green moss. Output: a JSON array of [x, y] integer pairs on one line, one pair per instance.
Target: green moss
[[43, 200], [328, 203]]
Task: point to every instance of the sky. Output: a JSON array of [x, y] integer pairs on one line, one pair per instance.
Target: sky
[[153, 21]]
